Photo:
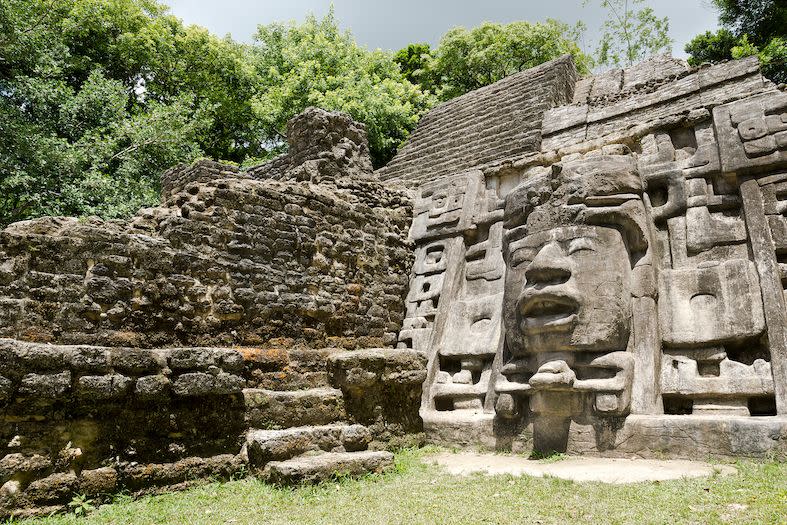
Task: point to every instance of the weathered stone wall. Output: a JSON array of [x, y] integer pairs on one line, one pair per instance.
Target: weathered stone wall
[[93, 420], [320, 258], [96, 420], [143, 353]]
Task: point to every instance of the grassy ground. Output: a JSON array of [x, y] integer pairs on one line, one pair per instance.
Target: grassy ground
[[418, 493]]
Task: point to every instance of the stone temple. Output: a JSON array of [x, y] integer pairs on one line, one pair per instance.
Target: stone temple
[[589, 265]]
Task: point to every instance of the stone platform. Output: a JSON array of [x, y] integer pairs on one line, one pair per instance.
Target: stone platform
[[652, 436], [606, 470]]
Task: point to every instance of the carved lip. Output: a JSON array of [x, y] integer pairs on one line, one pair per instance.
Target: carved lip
[[548, 311]]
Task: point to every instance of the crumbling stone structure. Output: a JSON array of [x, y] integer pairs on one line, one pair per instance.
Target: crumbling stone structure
[[139, 354], [552, 263]]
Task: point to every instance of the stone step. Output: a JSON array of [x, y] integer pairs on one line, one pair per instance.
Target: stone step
[[289, 408], [320, 467], [263, 446]]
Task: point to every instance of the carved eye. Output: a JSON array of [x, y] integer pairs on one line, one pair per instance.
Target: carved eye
[[520, 257], [581, 244]]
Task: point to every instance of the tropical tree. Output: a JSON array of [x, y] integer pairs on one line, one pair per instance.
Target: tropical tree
[[469, 59], [415, 61], [750, 27], [317, 64], [711, 47], [97, 97], [630, 35]]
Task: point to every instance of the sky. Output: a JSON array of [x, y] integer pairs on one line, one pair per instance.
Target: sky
[[394, 24]]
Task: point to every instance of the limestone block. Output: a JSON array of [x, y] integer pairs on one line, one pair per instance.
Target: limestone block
[[152, 387], [680, 375], [90, 359], [564, 118], [202, 384], [711, 304], [432, 257], [366, 368], [704, 229], [313, 469], [446, 207], [18, 463], [100, 481], [46, 386], [136, 476], [31, 356], [275, 409], [473, 327], [484, 260], [276, 445], [56, 488], [424, 295], [100, 388], [719, 73], [135, 361]]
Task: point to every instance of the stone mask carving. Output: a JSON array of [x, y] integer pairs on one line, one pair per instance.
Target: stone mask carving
[[570, 246], [567, 289]]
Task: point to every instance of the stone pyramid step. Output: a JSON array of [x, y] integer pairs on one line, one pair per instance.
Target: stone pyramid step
[[319, 467], [289, 408], [263, 446]]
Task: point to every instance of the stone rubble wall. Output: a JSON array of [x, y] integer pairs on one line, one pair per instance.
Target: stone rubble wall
[[95, 420], [226, 259]]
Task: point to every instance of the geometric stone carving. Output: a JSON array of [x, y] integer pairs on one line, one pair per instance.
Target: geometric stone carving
[[445, 207], [473, 327], [723, 388], [753, 133], [704, 229], [711, 304]]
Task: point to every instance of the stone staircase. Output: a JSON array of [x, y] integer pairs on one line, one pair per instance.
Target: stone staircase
[[301, 427], [271, 409], [313, 453]]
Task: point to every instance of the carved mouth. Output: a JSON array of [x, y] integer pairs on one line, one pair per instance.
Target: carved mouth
[[547, 312]]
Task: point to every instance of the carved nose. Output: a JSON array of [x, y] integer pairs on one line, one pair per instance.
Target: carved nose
[[550, 266]]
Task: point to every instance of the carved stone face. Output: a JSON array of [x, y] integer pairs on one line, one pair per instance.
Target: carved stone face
[[567, 289]]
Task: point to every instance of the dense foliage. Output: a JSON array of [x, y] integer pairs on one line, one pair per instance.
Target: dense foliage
[[98, 96], [750, 27], [711, 47], [414, 61], [468, 59]]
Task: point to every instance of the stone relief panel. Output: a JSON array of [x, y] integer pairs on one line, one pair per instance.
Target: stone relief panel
[[572, 242], [710, 305], [611, 283], [445, 207], [442, 211], [468, 341]]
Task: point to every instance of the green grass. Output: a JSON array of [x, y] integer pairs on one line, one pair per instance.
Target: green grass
[[418, 493]]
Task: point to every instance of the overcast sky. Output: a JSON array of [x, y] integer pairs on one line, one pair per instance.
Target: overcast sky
[[394, 24]]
